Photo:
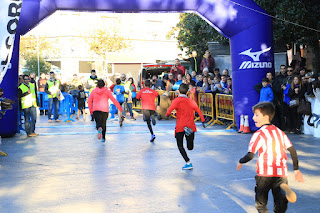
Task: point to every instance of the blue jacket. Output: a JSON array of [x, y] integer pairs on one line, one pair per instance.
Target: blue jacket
[[177, 85], [119, 91], [266, 94]]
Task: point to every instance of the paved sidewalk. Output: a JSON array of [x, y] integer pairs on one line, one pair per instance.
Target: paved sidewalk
[[66, 169]]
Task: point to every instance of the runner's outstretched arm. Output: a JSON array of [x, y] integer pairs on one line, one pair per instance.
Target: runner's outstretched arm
[[196, 108], [294, 157]]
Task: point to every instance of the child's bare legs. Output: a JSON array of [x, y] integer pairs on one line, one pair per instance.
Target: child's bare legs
[[120, 117], [84, 114], [78, 114]]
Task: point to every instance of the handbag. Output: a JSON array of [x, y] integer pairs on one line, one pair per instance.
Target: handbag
[[294, 102], [304, 108]]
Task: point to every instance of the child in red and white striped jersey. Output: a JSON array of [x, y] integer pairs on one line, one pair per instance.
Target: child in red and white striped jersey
[[272, 171]]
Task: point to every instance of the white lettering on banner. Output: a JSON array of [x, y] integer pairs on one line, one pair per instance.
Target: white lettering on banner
[[256, 63], [7, 33]]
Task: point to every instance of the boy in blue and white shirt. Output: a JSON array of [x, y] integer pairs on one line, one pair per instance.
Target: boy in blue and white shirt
[[119, 91]]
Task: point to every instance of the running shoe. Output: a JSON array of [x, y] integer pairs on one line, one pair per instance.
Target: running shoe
[[99, 135], [290, 195], [187, 167], [133, 119], [103, 140], [152, 138], [153, 119]]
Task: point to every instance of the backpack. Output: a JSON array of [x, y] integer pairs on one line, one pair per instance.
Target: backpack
[[82, 95]]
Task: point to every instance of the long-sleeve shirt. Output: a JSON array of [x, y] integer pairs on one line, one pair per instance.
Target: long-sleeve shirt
[[185, 108]]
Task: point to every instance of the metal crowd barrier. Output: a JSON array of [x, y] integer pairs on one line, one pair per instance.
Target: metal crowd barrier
[[220, 108], [224, 109], [67, 106], [205, 103]]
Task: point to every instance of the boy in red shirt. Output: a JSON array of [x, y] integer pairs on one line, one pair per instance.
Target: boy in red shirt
[[148, 105], [272, 169], [185, 108]]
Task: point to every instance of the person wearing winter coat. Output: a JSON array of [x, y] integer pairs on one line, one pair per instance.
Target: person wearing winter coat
[[99, 107], [266, 93]]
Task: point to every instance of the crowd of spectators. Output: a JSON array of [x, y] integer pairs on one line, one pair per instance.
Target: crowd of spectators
[[288, 90]]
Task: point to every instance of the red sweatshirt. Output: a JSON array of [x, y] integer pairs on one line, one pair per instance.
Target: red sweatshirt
[[185, 108]]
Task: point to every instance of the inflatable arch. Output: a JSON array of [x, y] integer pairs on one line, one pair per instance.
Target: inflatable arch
[[250, 34]]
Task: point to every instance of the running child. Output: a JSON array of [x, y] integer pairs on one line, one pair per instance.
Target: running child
[[81, 102], [185, 108], [119, 91], [148, 105], [272, 171], [99, 107]]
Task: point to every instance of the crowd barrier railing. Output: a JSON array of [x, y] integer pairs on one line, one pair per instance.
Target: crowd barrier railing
[[205, 103], [224, 109], [67, 106]]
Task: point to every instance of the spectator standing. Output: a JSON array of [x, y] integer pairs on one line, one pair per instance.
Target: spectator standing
[[92, 84], [229, 87], [81, 102], [266, 93], [193, 76], [223, 83], [289, 78], [195, 62], [167, 83], [92, 81], [41, 85], [74, 88], [200, 81], [207, 62], [28, 97], [171, 79], [205, 72], [296, 92], [53, 89], [159, 84], [193, 91], [188, 78], [281, 106], [33, 80], [177, 84], [42, 82], [177, 69], [99, 107], [225, 72], [204, 86], [133, 89], [216, 72]]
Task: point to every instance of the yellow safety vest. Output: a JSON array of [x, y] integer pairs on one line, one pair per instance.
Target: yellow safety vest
[[126, 87], [28, 100], [92, 83], [51, 84]]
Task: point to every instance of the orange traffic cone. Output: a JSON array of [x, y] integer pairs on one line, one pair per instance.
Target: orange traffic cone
[[246, 128], [241, 123]]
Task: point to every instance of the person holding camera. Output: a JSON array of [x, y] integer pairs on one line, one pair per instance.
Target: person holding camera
[[177, 69]]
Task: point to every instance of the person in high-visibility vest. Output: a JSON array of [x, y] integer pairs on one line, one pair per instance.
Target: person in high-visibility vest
[[92, 84], [92, 81], [28, 97], [52, 88], [128, 102]]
